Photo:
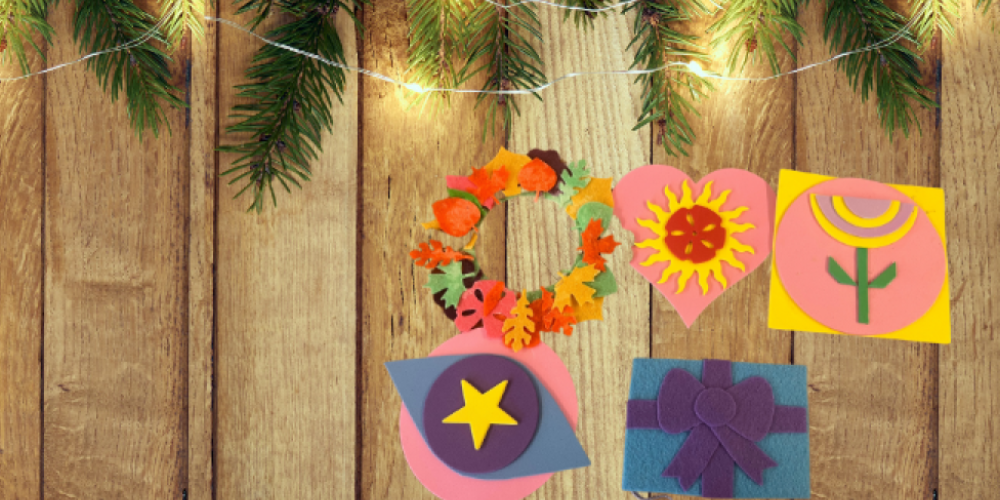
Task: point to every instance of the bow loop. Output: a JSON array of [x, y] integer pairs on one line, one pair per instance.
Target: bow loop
[[675, 404], [754, 408]]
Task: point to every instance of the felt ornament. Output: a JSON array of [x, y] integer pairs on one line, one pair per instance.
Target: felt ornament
[[484, 303], [694, 240], [857, 257], [704, 430]]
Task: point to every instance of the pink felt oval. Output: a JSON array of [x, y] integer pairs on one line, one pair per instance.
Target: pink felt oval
[[646, 184], [450, 485], [802, 248]]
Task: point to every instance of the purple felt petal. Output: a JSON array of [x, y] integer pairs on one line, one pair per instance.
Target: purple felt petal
[[717, 479], [826, 206], [866, 208], [745, 453], [717, 373], [693, 457], [754, 408], [676, 401], [641, 414], [789, 419]]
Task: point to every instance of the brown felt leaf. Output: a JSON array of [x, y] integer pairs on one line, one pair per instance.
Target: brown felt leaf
[[519, 326], [436, 254], [594, 245], [572, 287], [488, 183]]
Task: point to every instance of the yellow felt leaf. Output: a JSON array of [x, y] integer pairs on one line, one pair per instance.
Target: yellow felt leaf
[[518, 325], [572, 287], [597, 189], [434, 224], [594, 310], [513, 162]]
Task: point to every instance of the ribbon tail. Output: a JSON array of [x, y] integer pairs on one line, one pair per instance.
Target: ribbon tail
[[717, 479], [745, 453], [694, 455]]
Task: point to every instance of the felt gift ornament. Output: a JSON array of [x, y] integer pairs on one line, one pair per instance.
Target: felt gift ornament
[[858, 257], [717, 429], [694, 240], [481, 422]]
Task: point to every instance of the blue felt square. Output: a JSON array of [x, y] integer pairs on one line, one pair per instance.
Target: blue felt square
[[649, 451]]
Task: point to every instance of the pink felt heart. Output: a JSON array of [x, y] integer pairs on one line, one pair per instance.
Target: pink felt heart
[[693, 240]]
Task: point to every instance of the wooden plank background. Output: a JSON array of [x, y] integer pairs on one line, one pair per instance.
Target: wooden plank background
[[158, 342]]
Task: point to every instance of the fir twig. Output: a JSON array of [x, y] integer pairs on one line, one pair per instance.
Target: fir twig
[[179, 16], [141, 69], [756, 27], [668, 94], [19, 20], [501, 45], [583, 17], [291, 102], [932, 15], [436, 31], [891, 70]]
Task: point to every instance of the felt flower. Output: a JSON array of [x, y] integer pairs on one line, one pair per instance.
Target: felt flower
[[488, 303]]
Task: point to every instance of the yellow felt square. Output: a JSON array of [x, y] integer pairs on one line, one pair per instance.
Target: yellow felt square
[[783, 314]]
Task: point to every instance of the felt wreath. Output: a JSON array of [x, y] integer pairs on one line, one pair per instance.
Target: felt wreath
[[519, 318]]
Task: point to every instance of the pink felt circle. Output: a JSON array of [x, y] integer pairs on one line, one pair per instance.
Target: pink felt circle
[[802, 247], [450, 485]]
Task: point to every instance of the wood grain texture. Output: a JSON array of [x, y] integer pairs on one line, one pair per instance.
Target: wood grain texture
[[405, 158], [585, 118], [115, 292], [286, 309], [872, 402], [969, 443], [201, 260], [22, 170]]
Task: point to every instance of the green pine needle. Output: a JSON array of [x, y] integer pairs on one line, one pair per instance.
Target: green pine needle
[[140, 70], [667, 95], [984, 4], [500, 44], [19, 20], [291, 101], [892, 70], [931, 15], [437, 28], [582, 17], [179, 16], [755, 28]]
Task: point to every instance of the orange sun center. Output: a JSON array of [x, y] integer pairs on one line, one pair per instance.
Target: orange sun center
[[695, 234]]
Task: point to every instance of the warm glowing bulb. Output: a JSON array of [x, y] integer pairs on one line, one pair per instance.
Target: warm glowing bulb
[[696, 68], [414, 87]]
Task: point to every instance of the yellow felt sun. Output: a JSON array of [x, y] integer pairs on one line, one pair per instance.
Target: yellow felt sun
[[695, 236]]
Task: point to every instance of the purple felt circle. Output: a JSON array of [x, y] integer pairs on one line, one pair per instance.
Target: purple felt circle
[[715, 407], [452, 443]]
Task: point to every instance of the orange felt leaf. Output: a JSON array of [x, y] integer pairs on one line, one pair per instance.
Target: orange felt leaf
[[540, 308], [587, 312], [456, 216], [433, 255], [572, 287], [594, 245], [493, 298], [519, 326], [488, 183], [537, 176], [557, 320]]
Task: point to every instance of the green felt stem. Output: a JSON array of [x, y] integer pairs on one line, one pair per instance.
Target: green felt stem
[[861, 277]]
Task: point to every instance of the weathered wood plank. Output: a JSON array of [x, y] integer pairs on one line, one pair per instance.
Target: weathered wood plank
[[286, 312], [201, 259], [873, 403], [115, 292], [405, 158], [587, 118], [22, 169], [969, 445]]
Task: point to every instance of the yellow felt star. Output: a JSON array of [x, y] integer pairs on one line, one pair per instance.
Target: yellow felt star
[[514, 162], [481, 410], [598, 190]]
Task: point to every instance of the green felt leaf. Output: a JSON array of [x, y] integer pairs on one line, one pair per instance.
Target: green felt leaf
[[535, 295], [883, 280], [450, 281], [591, 211], [605, 283], [838, 273], [574, 177]]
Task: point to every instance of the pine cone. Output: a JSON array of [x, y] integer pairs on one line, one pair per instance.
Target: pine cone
[[3, 45], [751, 45]]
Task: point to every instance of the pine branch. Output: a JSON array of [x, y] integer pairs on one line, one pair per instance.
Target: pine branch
[[984, 4], [180, 15], [437, 28], [140, 70], [582, 17], [291, 101], [932, 15], [756, 27], [668, 94], [19, 21], [891, 70], [501, 45]]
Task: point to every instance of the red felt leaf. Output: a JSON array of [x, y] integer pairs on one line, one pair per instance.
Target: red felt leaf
[[456, 216], [487, 183], [434, 255], [594, 245], [493, 298]]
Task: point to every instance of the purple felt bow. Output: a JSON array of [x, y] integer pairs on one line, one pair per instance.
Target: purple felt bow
[[725, 421]]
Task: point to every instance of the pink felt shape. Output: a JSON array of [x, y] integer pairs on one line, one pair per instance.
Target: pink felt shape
[[450, 485], [462, 183], [802, 248], [647, 184]]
